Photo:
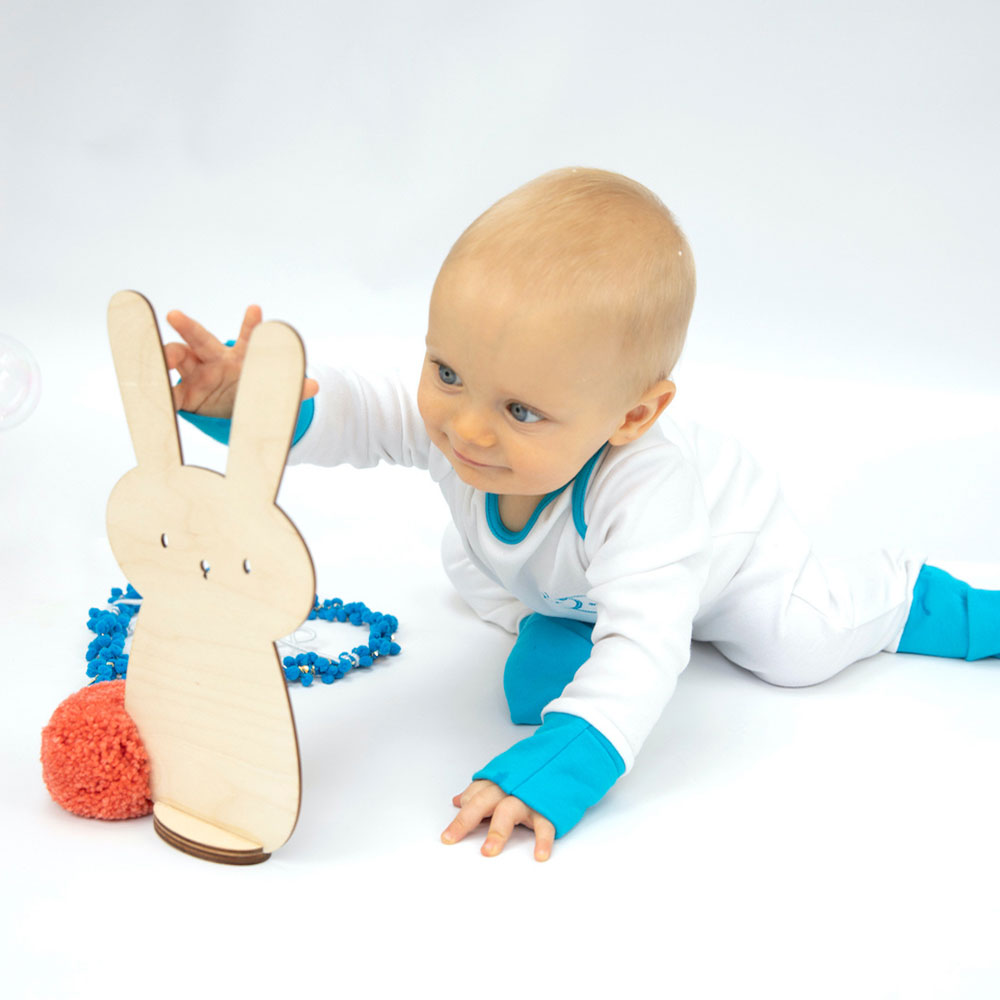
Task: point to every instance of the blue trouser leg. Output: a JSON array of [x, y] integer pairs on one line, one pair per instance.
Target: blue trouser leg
[[950, 618], [546, 656]]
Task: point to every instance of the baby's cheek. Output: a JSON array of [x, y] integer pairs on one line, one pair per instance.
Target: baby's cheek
[[542, 471], [422, 403], [432, 414]]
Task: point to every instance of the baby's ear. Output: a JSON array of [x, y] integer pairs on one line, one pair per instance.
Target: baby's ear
[[645, 412], [265, 411], [143, 381]]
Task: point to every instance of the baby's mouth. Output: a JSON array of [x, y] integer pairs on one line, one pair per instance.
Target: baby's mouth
[[469, 461]]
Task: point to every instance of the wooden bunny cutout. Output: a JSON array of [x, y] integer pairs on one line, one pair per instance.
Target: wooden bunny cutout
[[223, 573]]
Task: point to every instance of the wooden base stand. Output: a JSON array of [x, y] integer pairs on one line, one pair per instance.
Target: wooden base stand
[[203, 840]]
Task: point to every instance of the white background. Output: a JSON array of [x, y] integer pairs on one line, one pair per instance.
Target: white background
[[834, 166]]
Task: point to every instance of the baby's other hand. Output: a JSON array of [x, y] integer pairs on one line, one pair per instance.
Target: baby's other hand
[[210, 371], [482, 799]]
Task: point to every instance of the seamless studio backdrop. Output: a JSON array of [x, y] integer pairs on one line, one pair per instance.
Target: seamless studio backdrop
[[834, 167]]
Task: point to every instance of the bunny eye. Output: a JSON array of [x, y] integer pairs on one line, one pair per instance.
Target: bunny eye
[[164, 541], [246, 565]]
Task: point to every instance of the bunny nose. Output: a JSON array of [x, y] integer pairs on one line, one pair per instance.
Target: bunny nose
[[205, 568]]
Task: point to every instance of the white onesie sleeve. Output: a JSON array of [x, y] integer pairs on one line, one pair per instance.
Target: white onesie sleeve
[[648, 546], [361, 421]]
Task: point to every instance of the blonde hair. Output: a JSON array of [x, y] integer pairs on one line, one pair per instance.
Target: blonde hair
[[604, 240]]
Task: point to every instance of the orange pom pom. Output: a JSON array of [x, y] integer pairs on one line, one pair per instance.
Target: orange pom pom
[[93, 761]]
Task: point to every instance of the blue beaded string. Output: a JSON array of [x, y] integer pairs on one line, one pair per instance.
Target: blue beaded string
[[108, 661], [307, 666], [106, 656]]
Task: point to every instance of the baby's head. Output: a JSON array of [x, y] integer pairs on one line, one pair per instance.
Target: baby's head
[[555, 322]]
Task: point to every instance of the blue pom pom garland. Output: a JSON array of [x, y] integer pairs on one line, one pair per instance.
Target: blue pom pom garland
[[106, 656], [108, 661], [308, 665]]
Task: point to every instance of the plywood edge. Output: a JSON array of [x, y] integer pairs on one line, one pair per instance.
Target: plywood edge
[[204, 840]]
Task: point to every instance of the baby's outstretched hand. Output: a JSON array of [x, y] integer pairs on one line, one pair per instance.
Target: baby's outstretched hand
[[482, 799], [210, 371]]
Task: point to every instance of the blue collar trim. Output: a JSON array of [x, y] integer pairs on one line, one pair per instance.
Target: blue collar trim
[[580, 491], [500, 530], [503, 534]]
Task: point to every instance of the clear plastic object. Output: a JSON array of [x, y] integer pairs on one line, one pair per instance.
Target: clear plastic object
[[20, 383]]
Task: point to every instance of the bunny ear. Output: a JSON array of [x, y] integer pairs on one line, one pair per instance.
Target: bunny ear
[[143, 380], [265, 411]]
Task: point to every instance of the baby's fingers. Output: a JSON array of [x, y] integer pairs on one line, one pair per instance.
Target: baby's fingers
[[180, 358], [251, 318], [204, 344], [472, 791], [511, 812], [545, 836], [473, 812], [506, 816]]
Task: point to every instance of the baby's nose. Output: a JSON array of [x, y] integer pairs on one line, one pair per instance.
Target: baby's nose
[[474, 427]]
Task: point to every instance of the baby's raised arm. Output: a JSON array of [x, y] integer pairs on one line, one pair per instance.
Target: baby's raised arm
[[209, 370]]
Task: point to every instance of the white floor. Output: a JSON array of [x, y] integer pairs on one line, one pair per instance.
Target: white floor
[[828, 842]]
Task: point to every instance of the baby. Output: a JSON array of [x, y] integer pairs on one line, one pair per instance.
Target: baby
[[600, 532]]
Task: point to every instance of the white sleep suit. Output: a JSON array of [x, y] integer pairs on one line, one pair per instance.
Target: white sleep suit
[[678, 535]]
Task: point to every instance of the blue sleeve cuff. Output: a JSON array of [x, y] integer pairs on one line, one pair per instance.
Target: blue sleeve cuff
[[214, 427], [218, 427], [561, 770]]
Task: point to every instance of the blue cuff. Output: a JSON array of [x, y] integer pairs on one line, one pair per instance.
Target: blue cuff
[[214, 427], [218, 427], [561, 770]]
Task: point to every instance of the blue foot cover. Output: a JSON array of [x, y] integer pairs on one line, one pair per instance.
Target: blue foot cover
[[950, 618]]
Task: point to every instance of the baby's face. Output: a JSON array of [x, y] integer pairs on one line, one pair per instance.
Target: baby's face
[[517, 393]]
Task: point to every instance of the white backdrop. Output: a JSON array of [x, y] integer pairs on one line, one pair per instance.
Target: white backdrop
[[834, 166]]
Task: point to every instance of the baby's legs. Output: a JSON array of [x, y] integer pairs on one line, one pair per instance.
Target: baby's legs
[[794, 620], [545, 658]]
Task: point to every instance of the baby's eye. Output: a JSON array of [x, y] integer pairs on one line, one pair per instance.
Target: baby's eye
[[523, 415], [448, 375]]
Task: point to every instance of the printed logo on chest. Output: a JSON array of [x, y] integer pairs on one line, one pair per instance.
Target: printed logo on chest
[[576, 602]]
